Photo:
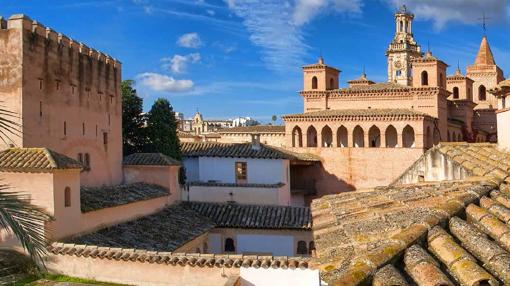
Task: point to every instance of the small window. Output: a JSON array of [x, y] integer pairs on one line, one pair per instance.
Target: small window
[[83, 128], [109, 119], [455, 93], [241, 172], [205, 247], [105, 138], [229, 245], [314, 82], [482, 93], [80, 157], [424, 78], [311, 248], [40, 108], [86, 161], [96, 130], [40, 83], [398, 73], [302, 249], [67, 197], [65, 128], [503, 102]]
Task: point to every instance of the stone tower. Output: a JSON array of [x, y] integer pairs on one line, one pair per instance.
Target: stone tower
[[402, 49]]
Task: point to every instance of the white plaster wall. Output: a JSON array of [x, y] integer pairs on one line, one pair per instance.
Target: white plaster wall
[[260, 171], [503, 129], [280, 277], [243, 195], [277, 245], [192, 170]]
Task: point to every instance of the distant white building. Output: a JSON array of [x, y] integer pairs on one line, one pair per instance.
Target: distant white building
[[244, 121], [248, 173]]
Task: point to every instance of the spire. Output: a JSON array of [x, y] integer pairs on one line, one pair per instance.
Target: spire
[[458, 72], [484, 56], [321, 60]]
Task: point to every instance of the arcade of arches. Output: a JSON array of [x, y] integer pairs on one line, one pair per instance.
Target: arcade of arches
[[361, 136]]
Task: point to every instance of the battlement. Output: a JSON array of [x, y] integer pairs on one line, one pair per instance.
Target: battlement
[[23, 22]]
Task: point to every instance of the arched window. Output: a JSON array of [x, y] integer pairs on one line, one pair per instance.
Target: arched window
[[314, 82], [455, 93], [358, 137], [398, 73], [67, 197], [297, 137], [331, 83], [401, 27], [482, 93], [311, 137], [391, 137], [341, 137], [424, 78], [302, 248], [229, 245], [311, 248], [374, 137], [327, 137], [408, 137]]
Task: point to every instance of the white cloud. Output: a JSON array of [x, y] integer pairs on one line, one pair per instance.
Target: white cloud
[[164, 83], [442, 12], [305, 10], [276, 26], [179, 63], [190, 40], [211, 12]]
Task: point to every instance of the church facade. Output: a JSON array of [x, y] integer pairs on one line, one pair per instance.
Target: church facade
[[360, 129]]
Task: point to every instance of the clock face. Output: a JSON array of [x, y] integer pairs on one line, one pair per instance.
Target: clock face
[[398, 64]]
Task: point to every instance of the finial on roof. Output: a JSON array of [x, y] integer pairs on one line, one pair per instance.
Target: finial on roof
[[458, 72], [363, 73], [428, 54], [321, 60], [403, 8]]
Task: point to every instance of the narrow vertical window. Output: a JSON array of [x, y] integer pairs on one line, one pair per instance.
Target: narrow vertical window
[[80, 157], [67, 197], [455, 93], [105, 138], [40, 108], [241, 172], [229, 245], [96, 130], [83, 128], [87, 161], [65, 128], [40, 83], [109, 119]]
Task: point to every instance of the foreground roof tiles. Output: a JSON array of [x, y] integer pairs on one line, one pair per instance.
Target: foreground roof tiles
[[95, 198], [254, 216], [241, 150], [180, 259], [35, 160], [154, 159]]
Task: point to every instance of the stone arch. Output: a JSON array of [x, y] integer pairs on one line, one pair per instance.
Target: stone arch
[[341, 137], [455, 93], [408, 140], [374, 137], [297, 137], [311, 137], [482, 93], [391, 137], [424, 78], [358, 137], [314, 82], [327, 137]]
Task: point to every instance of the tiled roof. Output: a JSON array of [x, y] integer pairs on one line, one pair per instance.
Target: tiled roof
[[235, 185], [380, 86], [484, 55], [241, 150], [180, 259], [35, 160], [230, 215], [357, 114], [255, 129], [357, 234], [166, 230], [502, 89], [156, 159], [95, 198]]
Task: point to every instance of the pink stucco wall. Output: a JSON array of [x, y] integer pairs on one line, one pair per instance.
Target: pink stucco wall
[[165, 176]]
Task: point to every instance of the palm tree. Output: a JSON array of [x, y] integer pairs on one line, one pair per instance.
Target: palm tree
[[17, 215]]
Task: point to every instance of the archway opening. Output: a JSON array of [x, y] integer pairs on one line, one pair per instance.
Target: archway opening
[[408, 137], [341, 137], [311, 137], [327, 137], [391, 137], [297, 137], [358, 137], [374, 137]]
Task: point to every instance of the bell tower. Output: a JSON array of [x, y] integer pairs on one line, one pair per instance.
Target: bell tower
[[402, 49]]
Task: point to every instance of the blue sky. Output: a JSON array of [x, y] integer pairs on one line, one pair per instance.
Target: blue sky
[[243, 57]]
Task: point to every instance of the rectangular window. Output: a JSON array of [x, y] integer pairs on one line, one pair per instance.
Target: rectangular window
[[241, 172], [83, 128], [65, 128], [87, 162], [109, 119], [40, 83], [40, 108], [80, 157], [105, 138], [67, 197], [96, 130]]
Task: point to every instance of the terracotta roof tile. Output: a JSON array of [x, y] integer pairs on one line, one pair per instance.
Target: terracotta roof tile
[[357, 114], [241, 150], [35, 160], [95, 198], [155, 159]]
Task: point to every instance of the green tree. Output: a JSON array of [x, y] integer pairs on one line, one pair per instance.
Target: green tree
[[162, 129], [274, 118], [17, 215], [134, 137]]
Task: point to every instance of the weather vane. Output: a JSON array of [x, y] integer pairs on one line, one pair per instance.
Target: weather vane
[[484, 22]]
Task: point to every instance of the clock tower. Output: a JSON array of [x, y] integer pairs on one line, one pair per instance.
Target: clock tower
[[402, 49]]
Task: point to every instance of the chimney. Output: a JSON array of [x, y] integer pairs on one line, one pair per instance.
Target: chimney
[[255, 141], [502, 92]]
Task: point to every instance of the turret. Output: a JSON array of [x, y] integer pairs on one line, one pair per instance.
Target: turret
[[320, 76], [429, 71]]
